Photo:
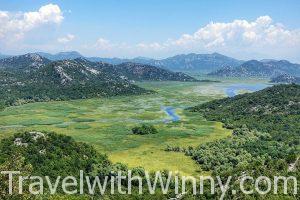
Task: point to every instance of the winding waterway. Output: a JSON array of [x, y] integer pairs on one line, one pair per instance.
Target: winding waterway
[[171, 112]]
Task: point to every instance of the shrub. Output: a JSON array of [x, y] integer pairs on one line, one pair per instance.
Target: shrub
[[144, 130]]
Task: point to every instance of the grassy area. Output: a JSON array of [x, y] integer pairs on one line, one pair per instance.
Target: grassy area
[[106, 123]]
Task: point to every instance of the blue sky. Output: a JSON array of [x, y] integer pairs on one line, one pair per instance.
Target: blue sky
[[153, 28]]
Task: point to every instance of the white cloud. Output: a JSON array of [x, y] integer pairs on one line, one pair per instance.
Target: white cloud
[[103, 44], [66, 39], [241, 33], [152, 46], [240, 37], [13, 26]]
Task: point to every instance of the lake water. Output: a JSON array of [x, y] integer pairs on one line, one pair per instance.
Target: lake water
[[234, 89]]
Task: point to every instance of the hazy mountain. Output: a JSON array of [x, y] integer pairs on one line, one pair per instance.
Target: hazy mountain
[[285, 78], [254, 68], [197, 62], [113, 61], [183, 62], [4, 56], [142, 72], [69, 55], [268, 60], [61, 55]]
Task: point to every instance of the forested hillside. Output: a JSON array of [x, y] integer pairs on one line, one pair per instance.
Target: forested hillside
[[266, 134], [57, 156], [275, 110], [24, 63], [59, 80]]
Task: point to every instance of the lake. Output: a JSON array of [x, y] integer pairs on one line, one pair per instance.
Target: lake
[[234, 89]]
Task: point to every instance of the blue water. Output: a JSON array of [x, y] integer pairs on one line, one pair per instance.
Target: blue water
[[172, 113], [233, 90]]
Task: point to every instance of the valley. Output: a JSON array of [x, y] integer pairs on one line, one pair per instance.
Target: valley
[[106, 123], [149, 100]]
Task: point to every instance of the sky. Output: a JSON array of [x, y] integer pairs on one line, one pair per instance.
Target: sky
[[153, 28]]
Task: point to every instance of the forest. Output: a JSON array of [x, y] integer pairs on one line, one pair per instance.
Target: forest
[[266, 134]]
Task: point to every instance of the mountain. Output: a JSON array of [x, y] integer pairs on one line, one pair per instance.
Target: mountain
[[113, 61], [69, 55], [183, 62], [267, 60], [61, 80], [4, 56], [31, 77], [117, 61], [254, 68], [25, 63], [68, 72], [196, 62], [141, 72], [285, 78]]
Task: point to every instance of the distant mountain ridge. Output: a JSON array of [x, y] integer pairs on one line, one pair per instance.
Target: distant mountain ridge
[[31, 77], [61, 55], [254, 68], [197, 62], [214, 64], [285, 78], [4, 56], [140, 72], [183, 62], [31, 62]]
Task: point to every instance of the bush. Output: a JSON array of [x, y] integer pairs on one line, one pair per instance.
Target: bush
[[144, 130]]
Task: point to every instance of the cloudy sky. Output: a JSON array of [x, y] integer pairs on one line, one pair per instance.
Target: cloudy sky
[[152, 28]]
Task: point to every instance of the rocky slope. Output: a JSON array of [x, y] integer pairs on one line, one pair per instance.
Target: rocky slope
[[285, 78], [254, 68]]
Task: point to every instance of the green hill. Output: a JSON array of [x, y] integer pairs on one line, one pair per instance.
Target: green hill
[[274, 109], [265, 139], [61, 80]]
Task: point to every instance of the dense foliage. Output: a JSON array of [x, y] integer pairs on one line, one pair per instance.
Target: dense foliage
[[275, 110], [51, 154], [144, 130], [266, 134], [33, 79]]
